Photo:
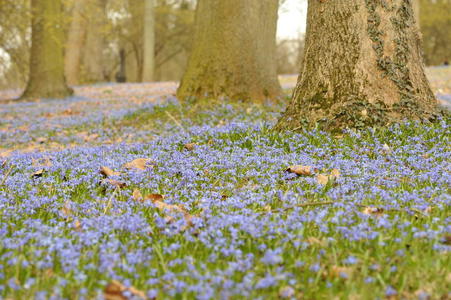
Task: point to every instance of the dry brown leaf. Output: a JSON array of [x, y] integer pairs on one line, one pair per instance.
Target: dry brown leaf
[[116, 183], [335, 173], [139, 163], [66, 210], [286, 292], [38, 173], [107, 172], [155, 197], [41, 140], [91, 137], [5, 154], [315, 241], [77, 225], [447, 240], [137, 196], [322, 179], [340, 272], [169, 207], [190, 146], [376, 211], [300, 170], [114, 291]]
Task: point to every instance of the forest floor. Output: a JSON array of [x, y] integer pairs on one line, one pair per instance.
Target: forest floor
[[121, 191]]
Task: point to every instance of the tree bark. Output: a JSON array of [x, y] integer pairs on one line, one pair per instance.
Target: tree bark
[[75, 42], [416, 11], [46, 78], [95, 42], [149, 41], [234, 51], [362, 66]]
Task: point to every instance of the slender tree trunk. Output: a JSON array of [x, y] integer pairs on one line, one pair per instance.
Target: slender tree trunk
[[234, 51], [75, 42], [46, 78], [134, 44], [95, 42], [149, 41], [362, 66]]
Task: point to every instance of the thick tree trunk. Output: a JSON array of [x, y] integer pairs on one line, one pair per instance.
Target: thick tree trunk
[[95, 42], [46, 78], [233, 55], [75, 42], [362, 67], [149, 41]]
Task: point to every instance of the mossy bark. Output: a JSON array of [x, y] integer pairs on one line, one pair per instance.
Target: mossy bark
[[46, 78], [362, 66], [233, 54]]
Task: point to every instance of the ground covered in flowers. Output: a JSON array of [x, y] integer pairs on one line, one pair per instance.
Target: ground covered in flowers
[[124, 192]]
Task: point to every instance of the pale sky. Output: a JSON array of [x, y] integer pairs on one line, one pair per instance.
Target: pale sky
[[292, 19]]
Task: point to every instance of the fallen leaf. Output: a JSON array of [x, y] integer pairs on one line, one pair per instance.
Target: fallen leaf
[[137, 196], [107, 172], [428, 210], [315, 241], [446, 240], [66, 210], [190, 146], [91, 137], [139, 163], [114, 291], [373, 211], [322, 179], [169, 207], [154, 197], [117, 183], [41, 140], [5, 154], [38, 173], [300, 170], [286, 292], [77, 225], [335, 173], [340, 272]]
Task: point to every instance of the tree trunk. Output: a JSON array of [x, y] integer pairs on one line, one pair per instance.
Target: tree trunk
[[46, 78], [75, 42], [416, 11], [149, 41], [234, 51], [95, 42], [362, 66]]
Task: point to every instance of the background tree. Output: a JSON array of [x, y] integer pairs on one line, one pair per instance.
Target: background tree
[[149, 41], [46, 77], [94, 58], [75, 41], [435, 19], [362, 66], [233, 53], [15, 21]]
